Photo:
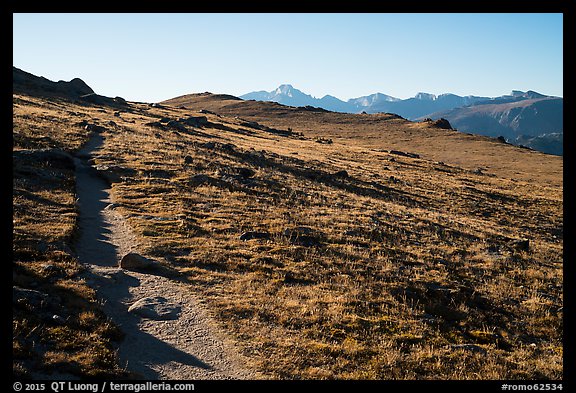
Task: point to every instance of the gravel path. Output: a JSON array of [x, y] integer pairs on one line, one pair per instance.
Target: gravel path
[[185, 344]]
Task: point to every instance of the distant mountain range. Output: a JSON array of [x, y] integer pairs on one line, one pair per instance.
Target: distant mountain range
[[534, 120], [527, 118]]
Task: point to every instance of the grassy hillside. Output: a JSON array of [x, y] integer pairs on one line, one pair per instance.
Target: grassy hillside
[[386, 131], [329, 245]]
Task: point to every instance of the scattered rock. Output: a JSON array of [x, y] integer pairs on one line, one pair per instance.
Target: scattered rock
[[188, 159], [49, 268], [404, 154], [199, 179], [327, 141], [441, 123], [307, 241], [208, 145], [254, 235], [493, 249], [227, 147], [311, 108], [134, 261], [164, 120], [155, 105], [520, 245], [94, 128], [194, 121], [501, 139], [58, 319], [112, 124], [478, 171], [253, 124], [342, 174], [245, 172], [155, 124], [303, 236], [174, 124], [157, 308], [117, 114]]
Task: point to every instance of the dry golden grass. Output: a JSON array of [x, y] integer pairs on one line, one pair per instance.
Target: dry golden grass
[[80, 339], [399, 268], [388, 131]]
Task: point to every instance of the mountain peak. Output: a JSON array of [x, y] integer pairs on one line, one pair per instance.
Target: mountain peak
[[425, 96], [529, 94], [284, 89]]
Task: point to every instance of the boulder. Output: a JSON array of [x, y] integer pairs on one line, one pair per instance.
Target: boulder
[[176, 125], [194, 121], [342, 174], [303, 236], [57, 319], [208, 145], [252, 124], [157, 308], [134, 261], [94, 128], [245, 172], [520, 245], [442, 123]]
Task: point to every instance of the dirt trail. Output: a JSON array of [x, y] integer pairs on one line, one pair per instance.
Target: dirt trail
[[187, 347]]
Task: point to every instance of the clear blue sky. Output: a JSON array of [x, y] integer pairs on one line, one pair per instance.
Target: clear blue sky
[[152, 57]]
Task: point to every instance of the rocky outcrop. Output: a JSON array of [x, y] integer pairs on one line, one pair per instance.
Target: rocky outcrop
[[26, 83]]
